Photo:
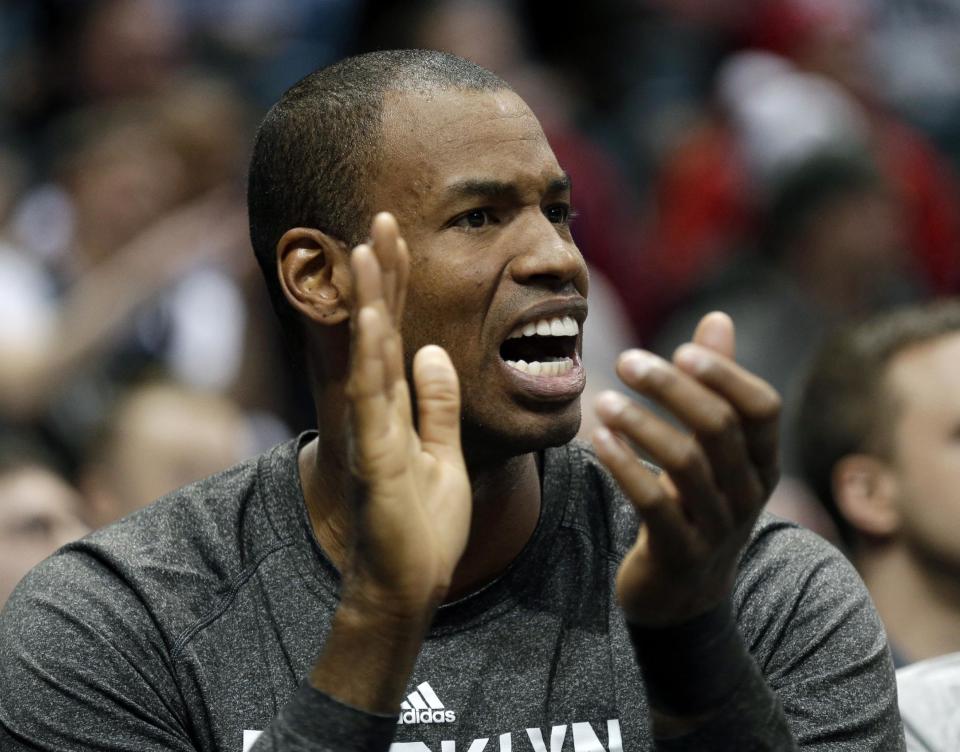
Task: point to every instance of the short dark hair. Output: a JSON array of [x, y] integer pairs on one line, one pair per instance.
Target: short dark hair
[[817, 182], [846, 406], [320, 145]]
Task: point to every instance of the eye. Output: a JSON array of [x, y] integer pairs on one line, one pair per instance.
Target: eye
[[474, 219], [38, 528], [559, 214]]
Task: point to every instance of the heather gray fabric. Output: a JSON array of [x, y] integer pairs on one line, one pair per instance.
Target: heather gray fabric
[[198, 618]]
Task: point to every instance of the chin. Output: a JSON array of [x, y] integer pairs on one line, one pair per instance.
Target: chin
[[525, 431]]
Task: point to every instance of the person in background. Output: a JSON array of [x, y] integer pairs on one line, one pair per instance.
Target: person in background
[[877, 436], [160, 437], [39, 512], [831, 251]]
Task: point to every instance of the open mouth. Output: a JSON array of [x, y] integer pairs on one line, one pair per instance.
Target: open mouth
[[546, 347]]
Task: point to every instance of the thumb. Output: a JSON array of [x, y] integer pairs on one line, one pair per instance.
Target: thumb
[[715, 331], [438, 402]]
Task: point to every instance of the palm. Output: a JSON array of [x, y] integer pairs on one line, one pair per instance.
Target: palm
[[719, 467], [414, 512]]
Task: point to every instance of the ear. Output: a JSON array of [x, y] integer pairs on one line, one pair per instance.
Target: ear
[[315, 274], [865, 491]]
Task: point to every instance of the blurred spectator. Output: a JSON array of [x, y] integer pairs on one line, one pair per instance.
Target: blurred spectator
[[878, 428], [830, 39], [118, 267], [161, 437], [127, 48], [914, 45], [831, 251], [39, 512], [708, 190]]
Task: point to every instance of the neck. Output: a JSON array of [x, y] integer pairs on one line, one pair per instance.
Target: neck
[[903, 586], [506, 507]]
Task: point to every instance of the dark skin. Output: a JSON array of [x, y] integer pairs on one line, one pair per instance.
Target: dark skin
[[477, 242]]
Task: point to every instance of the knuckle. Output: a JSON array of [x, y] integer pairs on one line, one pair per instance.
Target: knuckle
[[648, 494], [632, 419], [722, 421], [440, 400], [660, 376], [769, 404], [686, 456]]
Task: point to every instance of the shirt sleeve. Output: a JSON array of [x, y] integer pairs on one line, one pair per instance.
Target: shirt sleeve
[[808, 619], [315, 722], [818, 674], [82, 666]]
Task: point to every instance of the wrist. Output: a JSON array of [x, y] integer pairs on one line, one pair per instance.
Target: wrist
[[384, 616], [370, 652], [693, 667]]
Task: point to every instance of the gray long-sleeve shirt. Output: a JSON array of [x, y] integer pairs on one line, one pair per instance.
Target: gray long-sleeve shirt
[[192, 624]]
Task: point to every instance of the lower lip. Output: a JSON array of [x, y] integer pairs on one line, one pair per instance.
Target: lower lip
[[562, 388]]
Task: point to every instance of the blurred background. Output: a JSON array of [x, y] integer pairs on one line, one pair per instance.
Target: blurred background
[[793, 162]]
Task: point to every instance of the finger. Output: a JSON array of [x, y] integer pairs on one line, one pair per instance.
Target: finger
[[369, 293], [716, 331], [753, 398], [403, 277], [438, 403], [658, 510], [677, 452], [385, 233], [392, 353], [366, 387], [368, 282], [395, 359], [709, 416]]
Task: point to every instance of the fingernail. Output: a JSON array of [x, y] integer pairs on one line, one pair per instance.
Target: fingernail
[[609, 403], [638, 363], [691, 357], [603, 436]]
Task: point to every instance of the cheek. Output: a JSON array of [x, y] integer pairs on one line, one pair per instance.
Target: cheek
[[445, 305], [930, 496]]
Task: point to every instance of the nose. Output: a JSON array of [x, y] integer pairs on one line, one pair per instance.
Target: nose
[[546, 257]]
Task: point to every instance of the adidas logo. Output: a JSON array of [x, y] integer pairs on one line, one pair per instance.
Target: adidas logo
[[423, 706]]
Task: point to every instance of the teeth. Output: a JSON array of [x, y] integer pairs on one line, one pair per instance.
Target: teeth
[[555, 327], [543, 368]]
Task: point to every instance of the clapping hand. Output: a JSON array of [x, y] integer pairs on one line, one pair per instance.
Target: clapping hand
[[697, 515]]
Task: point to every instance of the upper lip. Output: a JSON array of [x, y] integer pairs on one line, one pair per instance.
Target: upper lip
[[573, 306]]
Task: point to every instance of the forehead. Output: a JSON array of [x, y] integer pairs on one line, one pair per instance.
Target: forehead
[[433, 140], [924, 376], [33, 490]]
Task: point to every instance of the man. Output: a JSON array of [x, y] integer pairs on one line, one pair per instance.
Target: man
[[159, 436], [39, 512], [877, 433], [438, 566], [878, 443]]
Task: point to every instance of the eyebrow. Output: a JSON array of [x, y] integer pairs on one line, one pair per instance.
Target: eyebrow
[[498, 190]]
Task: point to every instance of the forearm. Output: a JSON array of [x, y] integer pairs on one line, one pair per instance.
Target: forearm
[[370, 655], [353, 694], [704, 689]]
